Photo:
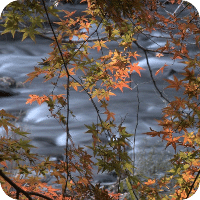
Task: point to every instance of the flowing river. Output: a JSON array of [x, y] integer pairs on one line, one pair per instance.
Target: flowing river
[[19, 58]]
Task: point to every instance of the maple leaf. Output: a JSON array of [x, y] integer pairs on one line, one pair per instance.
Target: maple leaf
[[104, 104], [188, 138], [86, 25], [64, 73], [154, 133], [159, 55], [74, 85], [35, 74], [179, 57], [32, 98], [174, 84], [39, 100], [101, 93], [161, 69], [121, 73], [122, 84], [176, 56], [83, 36], [172, 141], [109, 115], [68, 14], [134, 55], [108, 94], [150, 182], [135, 67], [31, 32], [99, 45]]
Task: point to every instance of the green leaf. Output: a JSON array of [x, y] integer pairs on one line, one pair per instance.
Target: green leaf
[[30, 31], [129, 167], [130, 189]]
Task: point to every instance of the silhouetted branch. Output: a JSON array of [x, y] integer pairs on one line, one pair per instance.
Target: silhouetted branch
[[20, 190], [193, 184]]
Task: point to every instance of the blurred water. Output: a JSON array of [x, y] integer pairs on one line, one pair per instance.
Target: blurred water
[[19, 58]]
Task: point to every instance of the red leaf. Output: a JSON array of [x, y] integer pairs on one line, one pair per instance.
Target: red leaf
[[174, 84]]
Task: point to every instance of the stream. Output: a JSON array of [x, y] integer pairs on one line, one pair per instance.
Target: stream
[[19, 58]]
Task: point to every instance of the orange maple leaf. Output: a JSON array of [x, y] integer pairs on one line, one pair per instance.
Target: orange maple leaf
[[135, 67], [108, 94], [122, 84], [34, 97], [172, 141], [159, 55], [134, 55], [161, 69], [188, 138], [150, 182]]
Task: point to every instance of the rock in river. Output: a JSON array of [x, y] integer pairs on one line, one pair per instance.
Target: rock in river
[[9, 82], [6, 83], [7, 93]]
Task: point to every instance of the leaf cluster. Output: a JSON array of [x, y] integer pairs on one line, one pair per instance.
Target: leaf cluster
[[70, 61]]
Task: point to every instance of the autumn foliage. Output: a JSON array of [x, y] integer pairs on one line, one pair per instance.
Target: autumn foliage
[[70, 60]]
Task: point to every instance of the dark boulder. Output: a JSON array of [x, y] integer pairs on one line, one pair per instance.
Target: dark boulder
[[7, 93]]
